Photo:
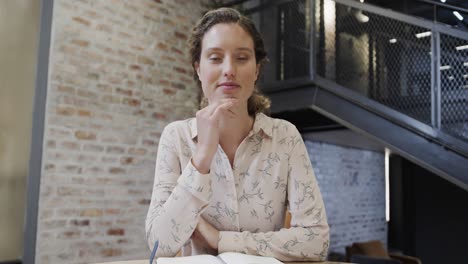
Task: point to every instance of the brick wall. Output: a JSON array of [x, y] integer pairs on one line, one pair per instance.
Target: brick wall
[[118, 74], [352, 182]]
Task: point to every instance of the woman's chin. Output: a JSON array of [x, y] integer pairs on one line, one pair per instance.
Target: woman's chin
[[225, 96]]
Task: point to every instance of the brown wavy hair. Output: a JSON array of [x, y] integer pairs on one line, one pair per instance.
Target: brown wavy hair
[[257, 102]]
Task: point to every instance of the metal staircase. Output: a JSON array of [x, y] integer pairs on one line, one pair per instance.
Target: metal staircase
[[399, 79]]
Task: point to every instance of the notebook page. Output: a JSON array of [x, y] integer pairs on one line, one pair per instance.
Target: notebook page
[[198, 259], [235, 258]]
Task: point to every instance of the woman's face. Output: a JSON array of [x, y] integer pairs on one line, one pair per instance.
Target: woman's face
[[227, 67]]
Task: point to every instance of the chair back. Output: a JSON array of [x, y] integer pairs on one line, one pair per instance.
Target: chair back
[[360, 259]]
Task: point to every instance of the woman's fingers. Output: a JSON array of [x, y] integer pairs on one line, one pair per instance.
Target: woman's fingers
[[208, 120], [210, 109], [221, 109]]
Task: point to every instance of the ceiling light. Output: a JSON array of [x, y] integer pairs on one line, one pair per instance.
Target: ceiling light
[[445, 67], [362, 1], [462, 47], [443, 1], [460, 17], [394, 40], [423, 34], [451, 78], [361, 17], [465, 64]]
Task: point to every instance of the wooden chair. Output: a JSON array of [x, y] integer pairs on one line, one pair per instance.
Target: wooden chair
[[377, 250], [287, 220]]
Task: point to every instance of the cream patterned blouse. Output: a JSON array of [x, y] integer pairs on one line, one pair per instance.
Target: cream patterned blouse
[[271, 173]]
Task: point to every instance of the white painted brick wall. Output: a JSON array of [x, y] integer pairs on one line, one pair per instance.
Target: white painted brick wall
[[352, 182]]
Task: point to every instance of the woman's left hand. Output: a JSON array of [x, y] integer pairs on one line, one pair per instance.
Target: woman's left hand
[[208, 232]]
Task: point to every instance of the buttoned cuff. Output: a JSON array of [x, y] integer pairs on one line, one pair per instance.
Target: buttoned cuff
[[231, 241], [197, 183]]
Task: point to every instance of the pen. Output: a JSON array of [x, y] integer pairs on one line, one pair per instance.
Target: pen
[[153, 253]]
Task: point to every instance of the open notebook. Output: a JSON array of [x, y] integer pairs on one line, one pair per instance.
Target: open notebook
[[223, 258]]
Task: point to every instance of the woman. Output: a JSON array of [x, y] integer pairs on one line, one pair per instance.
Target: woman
[[225, 179]]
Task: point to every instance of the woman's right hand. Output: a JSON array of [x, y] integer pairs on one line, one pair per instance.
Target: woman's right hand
[[208, 121]]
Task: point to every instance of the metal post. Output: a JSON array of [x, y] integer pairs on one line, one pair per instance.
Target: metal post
[[312, 44], [435, 81], [37, 137]]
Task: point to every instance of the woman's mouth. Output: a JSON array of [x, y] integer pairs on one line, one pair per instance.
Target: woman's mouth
[[229, 87]]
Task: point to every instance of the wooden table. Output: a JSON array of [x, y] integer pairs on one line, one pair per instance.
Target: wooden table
[[145, 261]]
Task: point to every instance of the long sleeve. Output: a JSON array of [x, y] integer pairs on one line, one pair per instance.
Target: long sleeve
[[308, 237], [179, 195]]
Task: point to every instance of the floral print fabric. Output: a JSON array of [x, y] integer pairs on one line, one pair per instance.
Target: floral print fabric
[[271, 173]]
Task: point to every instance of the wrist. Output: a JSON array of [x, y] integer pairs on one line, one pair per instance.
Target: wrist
[[201, 162]]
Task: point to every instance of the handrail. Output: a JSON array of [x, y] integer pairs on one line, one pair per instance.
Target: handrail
[[456, 8], [433, 131], [420, 22]]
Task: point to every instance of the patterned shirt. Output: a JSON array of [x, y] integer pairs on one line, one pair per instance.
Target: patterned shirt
[[271, 173]]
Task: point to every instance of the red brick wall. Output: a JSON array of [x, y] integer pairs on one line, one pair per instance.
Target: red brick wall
[[119, 72]]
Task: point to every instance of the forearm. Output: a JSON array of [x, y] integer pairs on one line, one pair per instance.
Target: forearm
[[173, 223], [293, 244], [171, 220]]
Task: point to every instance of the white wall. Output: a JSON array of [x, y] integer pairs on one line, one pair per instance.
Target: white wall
[[352, 182], [19, 28]]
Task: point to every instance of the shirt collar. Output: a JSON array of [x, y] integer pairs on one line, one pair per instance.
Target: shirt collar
[[261, 125]]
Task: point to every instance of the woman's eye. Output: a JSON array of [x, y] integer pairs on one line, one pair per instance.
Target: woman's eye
[[243, 58], [215, 59]]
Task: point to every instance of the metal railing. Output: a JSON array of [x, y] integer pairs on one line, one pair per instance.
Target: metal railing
[[410, 70], [416, 67]]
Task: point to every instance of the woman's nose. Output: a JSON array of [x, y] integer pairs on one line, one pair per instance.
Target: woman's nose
[[229, 69]]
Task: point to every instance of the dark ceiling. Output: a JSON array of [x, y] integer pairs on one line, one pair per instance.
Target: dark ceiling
[[429, 9]]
